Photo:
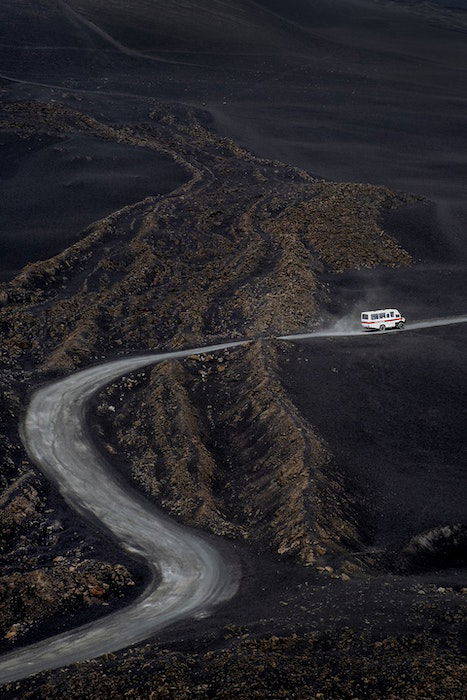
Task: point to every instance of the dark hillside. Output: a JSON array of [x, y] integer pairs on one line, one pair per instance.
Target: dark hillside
[[175, 173]]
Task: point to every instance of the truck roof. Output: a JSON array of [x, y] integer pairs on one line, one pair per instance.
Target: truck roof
[[379, 311]]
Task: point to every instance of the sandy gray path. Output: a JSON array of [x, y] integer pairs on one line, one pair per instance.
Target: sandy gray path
[[346, 328], [195, 575]]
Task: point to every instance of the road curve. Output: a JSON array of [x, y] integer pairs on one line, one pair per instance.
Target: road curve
[[189, 575]]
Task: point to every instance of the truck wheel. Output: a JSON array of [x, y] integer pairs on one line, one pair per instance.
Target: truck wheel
[[400, 324], [382, 327]]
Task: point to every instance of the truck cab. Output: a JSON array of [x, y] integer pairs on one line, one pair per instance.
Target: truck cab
[[381, 319]]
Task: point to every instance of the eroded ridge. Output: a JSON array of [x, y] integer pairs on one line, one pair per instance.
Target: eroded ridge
[[218, 442], [234, 252]]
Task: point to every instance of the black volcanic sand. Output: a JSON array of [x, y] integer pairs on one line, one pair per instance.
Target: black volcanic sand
[[391, 408], [356, 90], [51, 189]]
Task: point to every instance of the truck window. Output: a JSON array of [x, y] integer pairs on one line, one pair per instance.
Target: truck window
[[392, 314], [364, 315], [381, 315], [374, 316]]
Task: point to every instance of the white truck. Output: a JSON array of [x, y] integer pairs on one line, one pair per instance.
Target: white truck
[[381, 319]]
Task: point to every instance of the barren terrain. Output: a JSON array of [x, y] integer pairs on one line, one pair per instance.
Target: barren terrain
[[175, 175]]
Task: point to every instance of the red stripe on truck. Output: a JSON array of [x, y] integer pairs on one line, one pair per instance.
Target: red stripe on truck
[[382, 320]]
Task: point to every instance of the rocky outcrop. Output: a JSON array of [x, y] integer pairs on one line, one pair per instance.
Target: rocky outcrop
[[217, 442], [27, 599], [440, 547]]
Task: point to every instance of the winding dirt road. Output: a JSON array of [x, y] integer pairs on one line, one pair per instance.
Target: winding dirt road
[[189, 575]]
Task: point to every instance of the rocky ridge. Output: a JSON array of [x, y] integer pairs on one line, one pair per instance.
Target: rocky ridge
[[236, 251], [218, 443]]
